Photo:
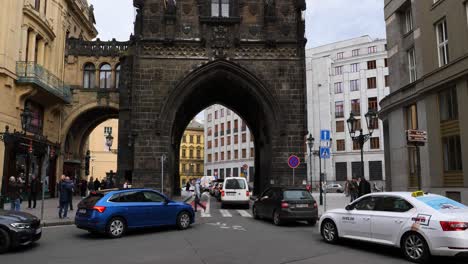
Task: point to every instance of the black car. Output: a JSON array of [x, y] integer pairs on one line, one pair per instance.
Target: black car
[[18, 229], [286, 204]]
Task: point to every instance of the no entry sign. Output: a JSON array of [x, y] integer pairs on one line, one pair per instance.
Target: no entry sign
[[293, 161]]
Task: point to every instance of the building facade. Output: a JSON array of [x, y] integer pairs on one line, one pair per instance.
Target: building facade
[[229, 147], [103, 159], [192, 153], [344, 77], [428, 58], [32, 88]]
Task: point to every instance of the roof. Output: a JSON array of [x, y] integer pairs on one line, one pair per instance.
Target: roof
[[195, 125]]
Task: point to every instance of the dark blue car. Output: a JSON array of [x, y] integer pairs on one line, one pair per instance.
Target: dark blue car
[[114, 212]]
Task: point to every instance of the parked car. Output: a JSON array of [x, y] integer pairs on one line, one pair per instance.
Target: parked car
[[334, 188], [18, 229], [114, 212], [418, 223], [235, 192], [283, 204]]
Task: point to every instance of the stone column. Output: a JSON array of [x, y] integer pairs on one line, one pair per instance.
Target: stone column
[[24, 43], [32, 46], [40, 51]]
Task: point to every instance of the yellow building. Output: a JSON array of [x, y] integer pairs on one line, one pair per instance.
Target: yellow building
[[192, 153], [103, 159], [33, 36]]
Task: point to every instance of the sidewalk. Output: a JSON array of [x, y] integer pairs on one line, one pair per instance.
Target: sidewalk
[[332, 200]]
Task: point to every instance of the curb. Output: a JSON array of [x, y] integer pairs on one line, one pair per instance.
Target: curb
[[61, 223]]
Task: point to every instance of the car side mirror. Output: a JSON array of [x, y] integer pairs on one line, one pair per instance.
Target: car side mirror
[[349, 207], [167, 201]]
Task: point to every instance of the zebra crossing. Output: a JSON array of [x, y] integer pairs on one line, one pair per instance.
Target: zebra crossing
[[226, 213]]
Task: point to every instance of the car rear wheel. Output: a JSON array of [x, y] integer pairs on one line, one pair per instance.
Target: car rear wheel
[[329, 231], [255, 212], [277, 218], [4, 241], [183, 220], [415, 248], [116, 227]]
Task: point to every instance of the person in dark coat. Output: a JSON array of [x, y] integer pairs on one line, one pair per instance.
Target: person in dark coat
[[364, 187], [97, 185], [66, 189], [14, 193], [72, 192], [34, 189], [83, 187]]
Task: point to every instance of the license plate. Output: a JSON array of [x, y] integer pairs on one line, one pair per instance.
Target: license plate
[[231, 194], [38, 231], [82, 211], [301, 205]]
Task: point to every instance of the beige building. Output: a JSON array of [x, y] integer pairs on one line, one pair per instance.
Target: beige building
[[428, 61], [33, 36], [103, 159], [192, 152]]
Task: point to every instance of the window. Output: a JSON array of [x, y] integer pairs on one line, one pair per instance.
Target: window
[[199, 139], [448, 104], [375, 170], [220, 8], [222, 155], [412, 64], [354, 85], [198, 153], [184, 138], [339, 109], [37, 5], [209, 145], [222, 142], [89, 76], [442, 42], [339, 55], [216, 114], [244, 138], [236, 139], [228, 140], [452, 153], [191, 153], [236, 125], [367, 204], [244, 126], [222, 112], [340, 127], [338, 87], [393, 204], [222, 129], [408, 20], [372, 49], [341, 171], [105, 76], [210, 117], [371, 83], [371, 65], [236, 154], [375, 143], [209, 157], [216, 131], [340, 145], [152, 197], [372, 103], [229, 155], [252, 153], [37, 117], [107, 130], [228, 127], [411, 117], [355, 53], [191, 138], [338, 70], [216, 156], [355, 67], [117, 76], [356, 145], [356, 169], [386, 63], [386, 81], [356, 106], [244, 153]]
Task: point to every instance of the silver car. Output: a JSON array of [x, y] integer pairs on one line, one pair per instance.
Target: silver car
[[334, 188]]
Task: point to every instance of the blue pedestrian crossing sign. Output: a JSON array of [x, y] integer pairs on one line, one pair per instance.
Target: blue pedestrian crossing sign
[[325, 135], [324, 153]]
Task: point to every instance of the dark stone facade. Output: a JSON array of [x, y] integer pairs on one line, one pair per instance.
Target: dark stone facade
[[182, 60]]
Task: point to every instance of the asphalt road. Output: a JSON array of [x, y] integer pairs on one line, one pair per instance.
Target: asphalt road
[[220, 236]]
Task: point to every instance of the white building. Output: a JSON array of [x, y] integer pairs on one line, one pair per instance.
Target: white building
[[345, 76], [229, 145]]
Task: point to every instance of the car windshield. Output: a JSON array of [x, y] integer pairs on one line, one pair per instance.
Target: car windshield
[[235, 184], [441, 203], [297, 195]]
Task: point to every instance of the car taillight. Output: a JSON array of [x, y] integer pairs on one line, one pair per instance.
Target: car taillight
[[315, 204], [284, 205], [100, 209], [222, 193], [247, 193], [453, 226]]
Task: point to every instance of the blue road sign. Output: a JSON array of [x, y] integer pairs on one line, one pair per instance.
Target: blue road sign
[[293, 161], [324, 153], [325, 135]]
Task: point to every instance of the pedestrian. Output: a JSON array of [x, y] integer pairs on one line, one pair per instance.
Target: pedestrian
[[198, 196], [34, 189], [364, 187], [83, 187], [66, 187], [91, 184], [103, 184], [97, 184], [59, 186], [71, 192], [14, 193], [353, 189], [187, 186]]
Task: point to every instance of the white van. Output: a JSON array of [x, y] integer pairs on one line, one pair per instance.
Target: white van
[[235, 191]]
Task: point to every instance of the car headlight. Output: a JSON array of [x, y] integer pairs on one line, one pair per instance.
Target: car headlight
[[21, 225]]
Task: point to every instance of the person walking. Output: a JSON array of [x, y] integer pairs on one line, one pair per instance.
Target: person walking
[[198, 196], [97, 184], [353, 189], [91, 184], [83, 188], [14, 193], [66, 187], [34, 189], [364, 187], [71, 192]]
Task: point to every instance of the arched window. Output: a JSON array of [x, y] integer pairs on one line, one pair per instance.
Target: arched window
[[105, 76], [117, 76], [89, 76], [220, 8]]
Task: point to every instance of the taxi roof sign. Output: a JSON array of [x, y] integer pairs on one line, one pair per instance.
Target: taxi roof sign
[[417, 194]]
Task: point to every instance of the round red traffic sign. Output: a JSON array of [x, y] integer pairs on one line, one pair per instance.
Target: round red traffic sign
[[293, 161]]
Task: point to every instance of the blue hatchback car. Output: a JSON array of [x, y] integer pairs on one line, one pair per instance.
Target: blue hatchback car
[[113, 212]]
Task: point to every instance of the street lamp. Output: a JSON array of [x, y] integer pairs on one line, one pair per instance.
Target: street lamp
[[353, 124], [109, 140], [310, 143]]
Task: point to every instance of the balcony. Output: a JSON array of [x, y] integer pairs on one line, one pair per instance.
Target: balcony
[[32, 73]]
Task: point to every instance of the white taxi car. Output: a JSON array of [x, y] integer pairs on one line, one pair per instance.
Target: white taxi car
[[420, 224]]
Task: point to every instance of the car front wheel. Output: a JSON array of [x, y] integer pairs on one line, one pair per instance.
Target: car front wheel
[[4, 241], [277, 218], [183, 220], [415, 248], [329, 231], [116, 227]]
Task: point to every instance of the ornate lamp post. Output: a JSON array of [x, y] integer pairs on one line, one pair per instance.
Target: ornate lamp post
[[353, 124], [310, 143], [109, 140]]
